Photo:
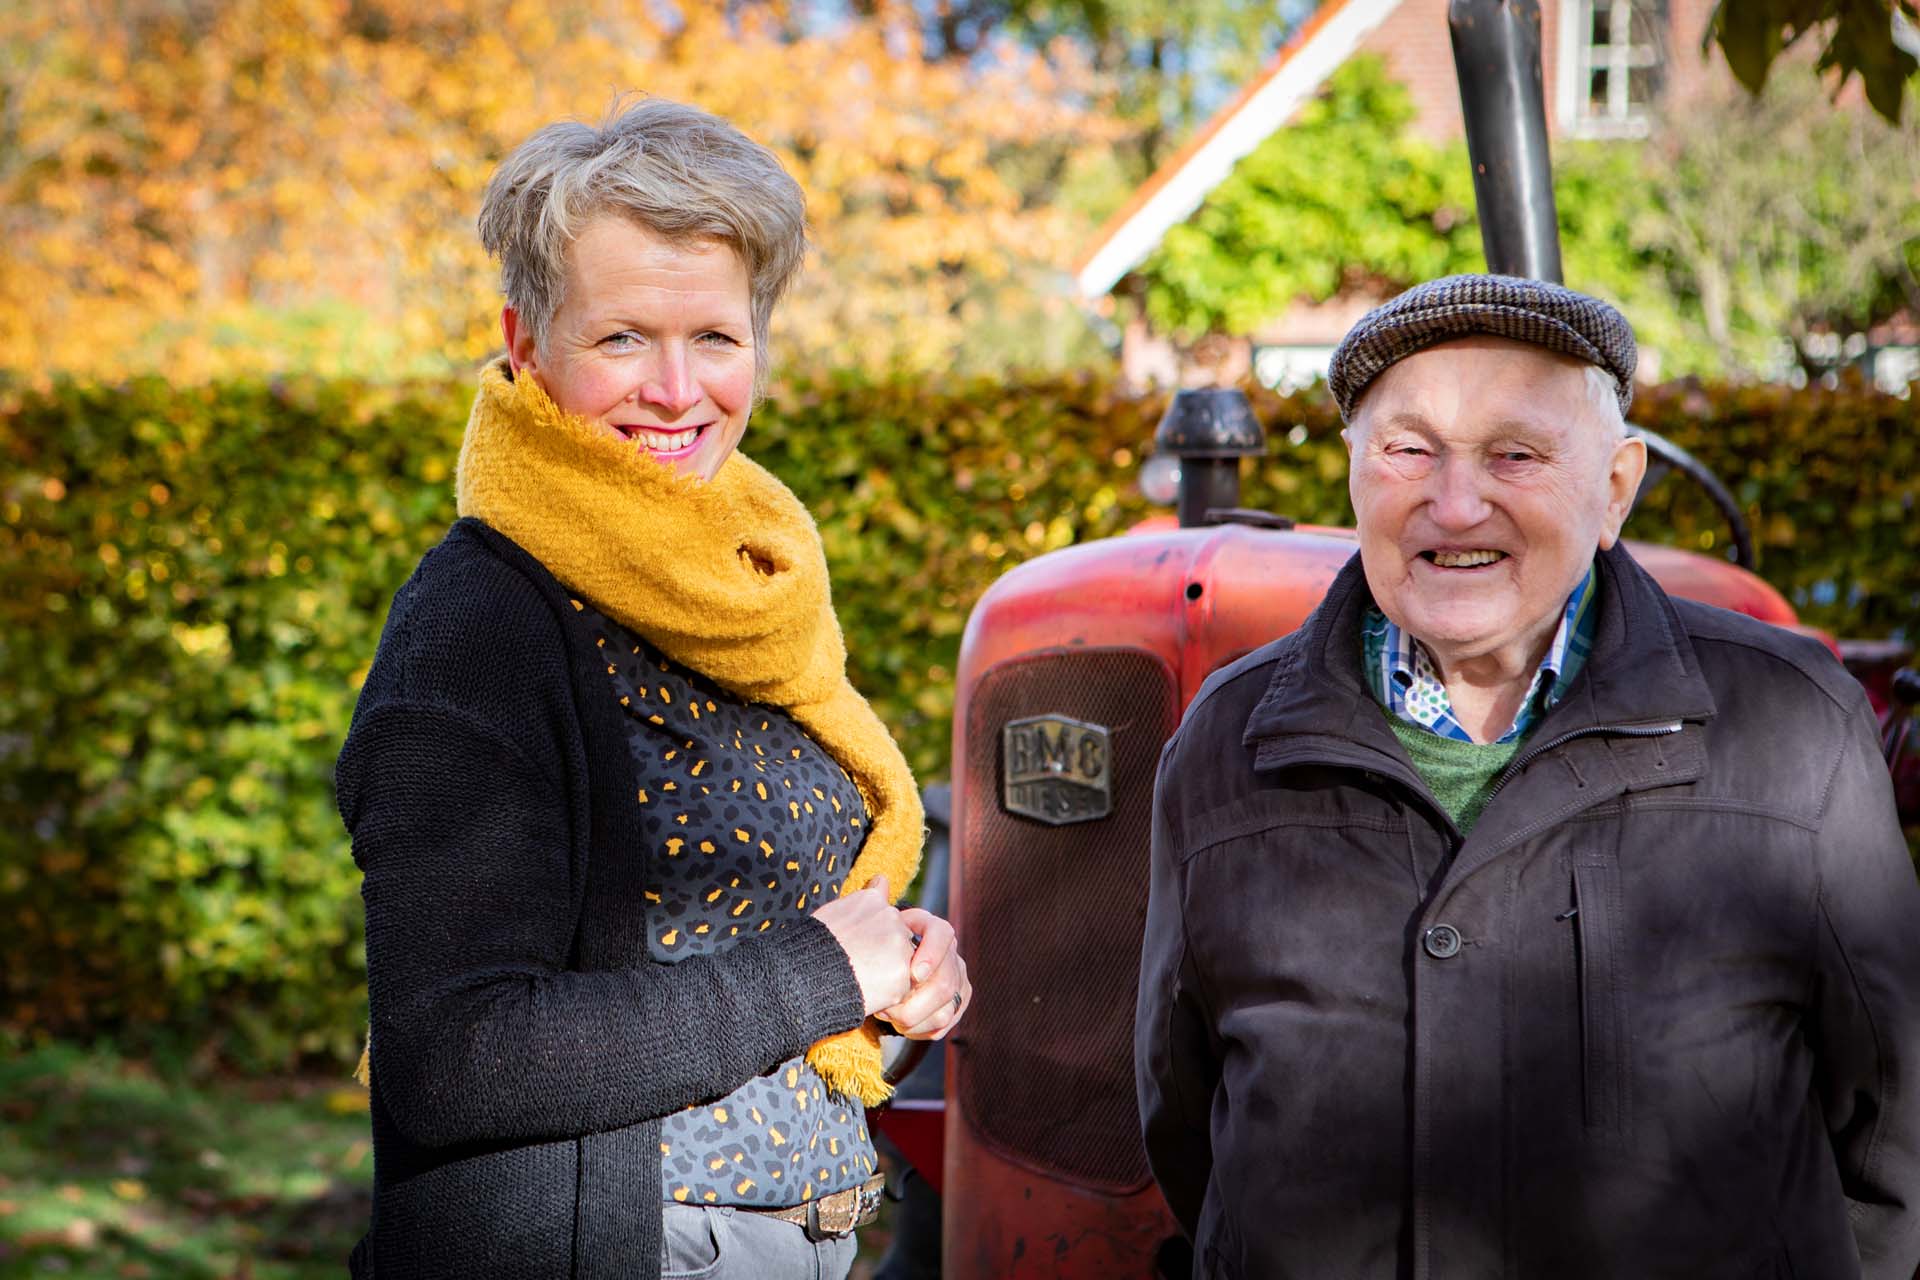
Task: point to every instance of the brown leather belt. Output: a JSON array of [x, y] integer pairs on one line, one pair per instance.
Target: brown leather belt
[[832, 1215]]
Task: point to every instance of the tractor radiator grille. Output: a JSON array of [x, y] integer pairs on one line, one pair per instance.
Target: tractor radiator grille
[[1052, 922]]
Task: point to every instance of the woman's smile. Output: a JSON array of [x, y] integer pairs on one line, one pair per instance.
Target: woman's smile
[[668, 446]]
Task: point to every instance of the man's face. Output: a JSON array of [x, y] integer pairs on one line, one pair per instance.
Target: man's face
[[1484, 478]]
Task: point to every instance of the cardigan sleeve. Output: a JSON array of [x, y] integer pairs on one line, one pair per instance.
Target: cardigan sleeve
[[462, 785], [480, 1031]]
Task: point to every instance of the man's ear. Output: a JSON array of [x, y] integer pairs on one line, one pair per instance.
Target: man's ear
[[522, 351], [1346, 438], [1624, 470]]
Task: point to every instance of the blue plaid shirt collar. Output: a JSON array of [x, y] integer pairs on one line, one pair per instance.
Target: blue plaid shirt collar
[[1405, 681]]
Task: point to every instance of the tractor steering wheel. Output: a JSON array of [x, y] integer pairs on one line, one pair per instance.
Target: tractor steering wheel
[[1664, 457]]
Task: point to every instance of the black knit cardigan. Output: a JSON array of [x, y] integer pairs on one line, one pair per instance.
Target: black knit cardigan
[[524, 1046]]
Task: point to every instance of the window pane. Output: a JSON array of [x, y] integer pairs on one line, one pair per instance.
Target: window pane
[[1597, 97], [1601, 27], [1643, 85]]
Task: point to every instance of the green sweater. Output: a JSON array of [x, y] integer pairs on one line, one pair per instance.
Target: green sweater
[[1460, 774]]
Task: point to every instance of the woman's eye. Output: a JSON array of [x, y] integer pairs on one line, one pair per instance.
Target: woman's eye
[[714, 337], [625, 338]]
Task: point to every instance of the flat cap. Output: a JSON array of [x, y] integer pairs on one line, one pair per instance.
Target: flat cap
[[1546, 315]]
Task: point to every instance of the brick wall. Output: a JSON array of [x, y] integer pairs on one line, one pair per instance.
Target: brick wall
[[1419, 53]]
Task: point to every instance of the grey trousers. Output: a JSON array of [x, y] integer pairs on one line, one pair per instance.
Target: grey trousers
[[723, 1243]]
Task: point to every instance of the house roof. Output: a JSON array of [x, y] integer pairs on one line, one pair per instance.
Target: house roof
[[1176, 189]]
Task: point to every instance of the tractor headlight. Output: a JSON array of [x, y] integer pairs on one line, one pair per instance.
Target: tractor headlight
[[1159, 479]]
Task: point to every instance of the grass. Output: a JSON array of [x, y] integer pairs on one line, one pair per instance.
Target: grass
[[111, 1167]]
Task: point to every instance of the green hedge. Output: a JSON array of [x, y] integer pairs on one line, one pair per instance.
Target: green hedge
[[195, 580]]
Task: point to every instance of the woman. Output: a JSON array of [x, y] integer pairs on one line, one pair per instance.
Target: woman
[[627, 833]]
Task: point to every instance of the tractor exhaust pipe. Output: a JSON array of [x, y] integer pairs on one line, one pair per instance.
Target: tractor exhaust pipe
[[1496, 54], [1209, 430]]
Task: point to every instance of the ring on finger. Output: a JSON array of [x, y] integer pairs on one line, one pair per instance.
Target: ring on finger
[[956, 1002]]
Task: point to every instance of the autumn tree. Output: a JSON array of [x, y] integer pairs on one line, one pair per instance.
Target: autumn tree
[[229, 185], [1168, 62]]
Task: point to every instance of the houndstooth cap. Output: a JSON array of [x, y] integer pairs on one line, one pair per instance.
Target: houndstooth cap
[[1547, 315]]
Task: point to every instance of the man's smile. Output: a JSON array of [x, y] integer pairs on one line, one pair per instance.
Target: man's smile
[[1449, 558]]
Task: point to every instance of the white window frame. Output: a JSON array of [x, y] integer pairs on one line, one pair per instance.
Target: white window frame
[[1621, 118], [1291, 368]]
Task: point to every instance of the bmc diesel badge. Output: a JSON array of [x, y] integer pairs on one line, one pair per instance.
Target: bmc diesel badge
[[1056, 770]]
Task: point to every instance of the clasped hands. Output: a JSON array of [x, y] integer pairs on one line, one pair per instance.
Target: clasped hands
[[910, 972]]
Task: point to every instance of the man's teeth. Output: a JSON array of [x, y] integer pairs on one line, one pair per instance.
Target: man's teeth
[[666, 441], [1465, 559]]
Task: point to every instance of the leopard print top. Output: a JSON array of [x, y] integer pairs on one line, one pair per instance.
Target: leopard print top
[[749, 824]]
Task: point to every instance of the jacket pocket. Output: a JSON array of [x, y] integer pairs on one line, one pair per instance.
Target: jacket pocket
[[1216, 1243], [1217, 1265], [1603, 1014]]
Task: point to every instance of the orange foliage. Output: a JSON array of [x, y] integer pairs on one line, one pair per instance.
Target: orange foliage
[[221, 186]]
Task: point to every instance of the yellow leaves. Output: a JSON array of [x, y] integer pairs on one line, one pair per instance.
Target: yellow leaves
[[305, 175], [209, 641]]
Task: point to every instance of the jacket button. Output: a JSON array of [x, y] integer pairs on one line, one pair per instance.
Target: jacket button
[[1441, 941]]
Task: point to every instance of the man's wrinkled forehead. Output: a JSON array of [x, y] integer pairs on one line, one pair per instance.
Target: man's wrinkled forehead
[[1518, 389]]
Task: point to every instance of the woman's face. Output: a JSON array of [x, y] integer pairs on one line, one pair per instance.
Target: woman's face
[[653, 342]]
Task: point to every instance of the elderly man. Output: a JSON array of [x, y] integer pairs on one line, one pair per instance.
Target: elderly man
[[1511, 918]]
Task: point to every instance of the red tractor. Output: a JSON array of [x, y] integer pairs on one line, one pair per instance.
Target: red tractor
[[1074, 670]]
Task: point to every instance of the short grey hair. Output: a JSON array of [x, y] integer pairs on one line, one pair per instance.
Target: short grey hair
[[1603, 393], [681, 173]]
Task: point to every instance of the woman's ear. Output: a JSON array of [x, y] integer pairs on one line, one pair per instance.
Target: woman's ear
[[522, 351]]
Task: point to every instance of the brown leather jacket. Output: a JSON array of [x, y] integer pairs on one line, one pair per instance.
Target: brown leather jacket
[[1658, 1015]]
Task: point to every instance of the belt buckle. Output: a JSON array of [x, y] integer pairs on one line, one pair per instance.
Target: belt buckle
[[843, 1211], [870, 1194], [825, 1220]]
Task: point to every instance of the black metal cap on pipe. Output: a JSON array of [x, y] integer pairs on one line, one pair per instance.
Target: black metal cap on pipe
[[1496, 54], [1210, 422], [1209, 429]]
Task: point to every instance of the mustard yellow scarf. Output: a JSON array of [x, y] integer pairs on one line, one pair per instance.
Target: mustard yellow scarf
[[725, 577]]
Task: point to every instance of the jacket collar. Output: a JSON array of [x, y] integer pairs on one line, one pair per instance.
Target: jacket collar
[[1642, 671]]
